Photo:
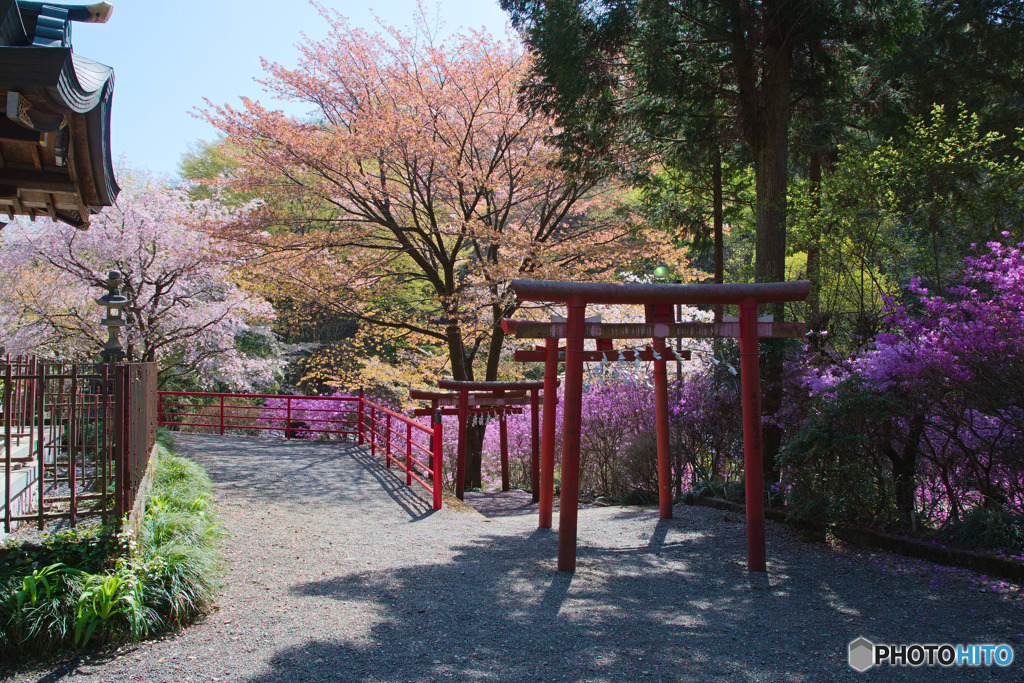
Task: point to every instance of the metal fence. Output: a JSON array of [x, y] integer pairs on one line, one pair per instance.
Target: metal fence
[[415, 448], [135, 424], [76, 440]]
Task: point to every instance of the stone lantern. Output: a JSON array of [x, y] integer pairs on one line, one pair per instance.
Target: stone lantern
[[114, 302]]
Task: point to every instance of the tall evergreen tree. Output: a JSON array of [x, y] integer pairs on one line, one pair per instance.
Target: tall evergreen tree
[[614, 71]]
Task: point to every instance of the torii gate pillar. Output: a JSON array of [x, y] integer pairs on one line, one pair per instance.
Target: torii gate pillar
[[572, 409], [547, 440], [753, 466]]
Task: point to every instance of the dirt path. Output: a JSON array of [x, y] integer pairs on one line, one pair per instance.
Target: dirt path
[[338, 572]]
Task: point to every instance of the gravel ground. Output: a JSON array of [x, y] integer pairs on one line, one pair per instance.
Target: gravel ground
[[338, 572]]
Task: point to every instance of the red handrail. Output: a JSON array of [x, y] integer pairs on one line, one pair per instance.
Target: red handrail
[[378, 418], [385, 437]]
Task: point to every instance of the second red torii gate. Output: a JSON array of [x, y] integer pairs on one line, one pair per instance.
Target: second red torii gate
[[551, 355], [660, 298], [486, 397]]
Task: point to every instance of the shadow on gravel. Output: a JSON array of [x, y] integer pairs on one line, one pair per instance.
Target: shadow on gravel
[[410, 497], [303, 473], [676, 610]]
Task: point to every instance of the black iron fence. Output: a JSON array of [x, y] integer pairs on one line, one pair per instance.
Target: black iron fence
[[76, 441]]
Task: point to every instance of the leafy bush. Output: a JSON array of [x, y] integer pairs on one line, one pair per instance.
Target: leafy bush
[[178, 560], [835, 463], [87, 548], [89, 587], [726, 490], [990, 529]]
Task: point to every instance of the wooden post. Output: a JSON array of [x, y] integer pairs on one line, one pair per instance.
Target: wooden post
[[8, 409], [503, 441], [534, 445], [40, 446], [438, 458], [72, 442], [287, 421], [460, 467], [571, 419], [120, 445], [547, 443], [373, 431], [661, 427], [753, 469], [362, 416], [408, 454]]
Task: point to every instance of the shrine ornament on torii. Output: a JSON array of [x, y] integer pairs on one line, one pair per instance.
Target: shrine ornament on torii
[[658, 301]]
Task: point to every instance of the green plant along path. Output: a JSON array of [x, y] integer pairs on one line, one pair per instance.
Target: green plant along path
[[92, 588]]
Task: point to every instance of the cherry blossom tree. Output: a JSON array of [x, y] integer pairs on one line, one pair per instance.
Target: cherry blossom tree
[[415, 190], [185, 310]]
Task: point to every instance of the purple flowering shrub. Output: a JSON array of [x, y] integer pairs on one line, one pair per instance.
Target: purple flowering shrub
[[926, 424], [707, 431], [617, 455], [311, 418]]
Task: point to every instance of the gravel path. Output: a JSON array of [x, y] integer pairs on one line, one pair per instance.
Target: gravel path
[[338, 572]]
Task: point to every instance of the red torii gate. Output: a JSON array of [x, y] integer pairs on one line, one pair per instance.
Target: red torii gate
[[503, 398], [658, 300]]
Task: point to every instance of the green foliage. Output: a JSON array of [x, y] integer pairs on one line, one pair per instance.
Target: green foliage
[[834, 460], [204, 164], [38, 607], [726, 490], [110, 603], [984, 528], [90, 588], [86, 548], [908, 207]]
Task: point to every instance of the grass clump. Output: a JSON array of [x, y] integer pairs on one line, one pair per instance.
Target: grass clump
[[93, 588]]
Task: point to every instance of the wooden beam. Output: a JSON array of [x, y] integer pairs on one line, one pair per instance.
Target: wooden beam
[[17, 134], [39, 181], [627, 356], [527, 329], [484, 401], [427, 412]]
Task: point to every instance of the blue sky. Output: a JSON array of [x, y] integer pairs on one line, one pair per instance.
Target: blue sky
[[168, 56]]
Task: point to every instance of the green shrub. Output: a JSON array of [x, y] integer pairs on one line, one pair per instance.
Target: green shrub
[[726, 490], [92, 588], [990, 529], [89, 549], [836, 463], [39, 607]]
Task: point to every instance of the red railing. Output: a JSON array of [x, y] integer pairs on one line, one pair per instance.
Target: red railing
[[400, 444], [292, 416], [414, 447]]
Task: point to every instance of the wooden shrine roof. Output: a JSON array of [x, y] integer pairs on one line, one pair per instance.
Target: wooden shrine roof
[[55, 157]]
